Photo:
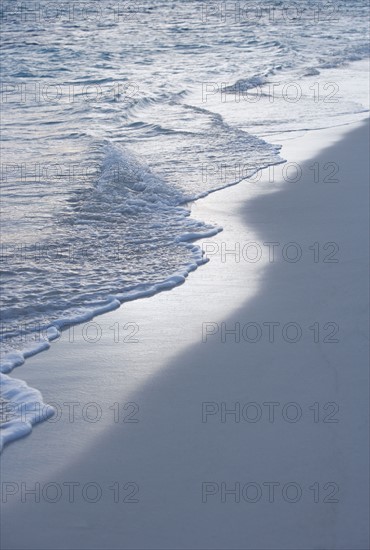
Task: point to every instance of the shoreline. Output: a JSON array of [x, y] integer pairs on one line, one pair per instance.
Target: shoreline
[[169, 382]]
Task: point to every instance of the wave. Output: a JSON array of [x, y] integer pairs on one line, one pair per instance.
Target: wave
[[20, 408]]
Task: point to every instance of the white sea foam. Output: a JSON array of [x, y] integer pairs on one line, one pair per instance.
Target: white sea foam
[[21, 408]]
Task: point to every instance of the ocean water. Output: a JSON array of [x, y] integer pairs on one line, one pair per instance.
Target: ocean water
[[117, 115]]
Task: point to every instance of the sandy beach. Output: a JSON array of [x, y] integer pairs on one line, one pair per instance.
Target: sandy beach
[[232, 412]]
